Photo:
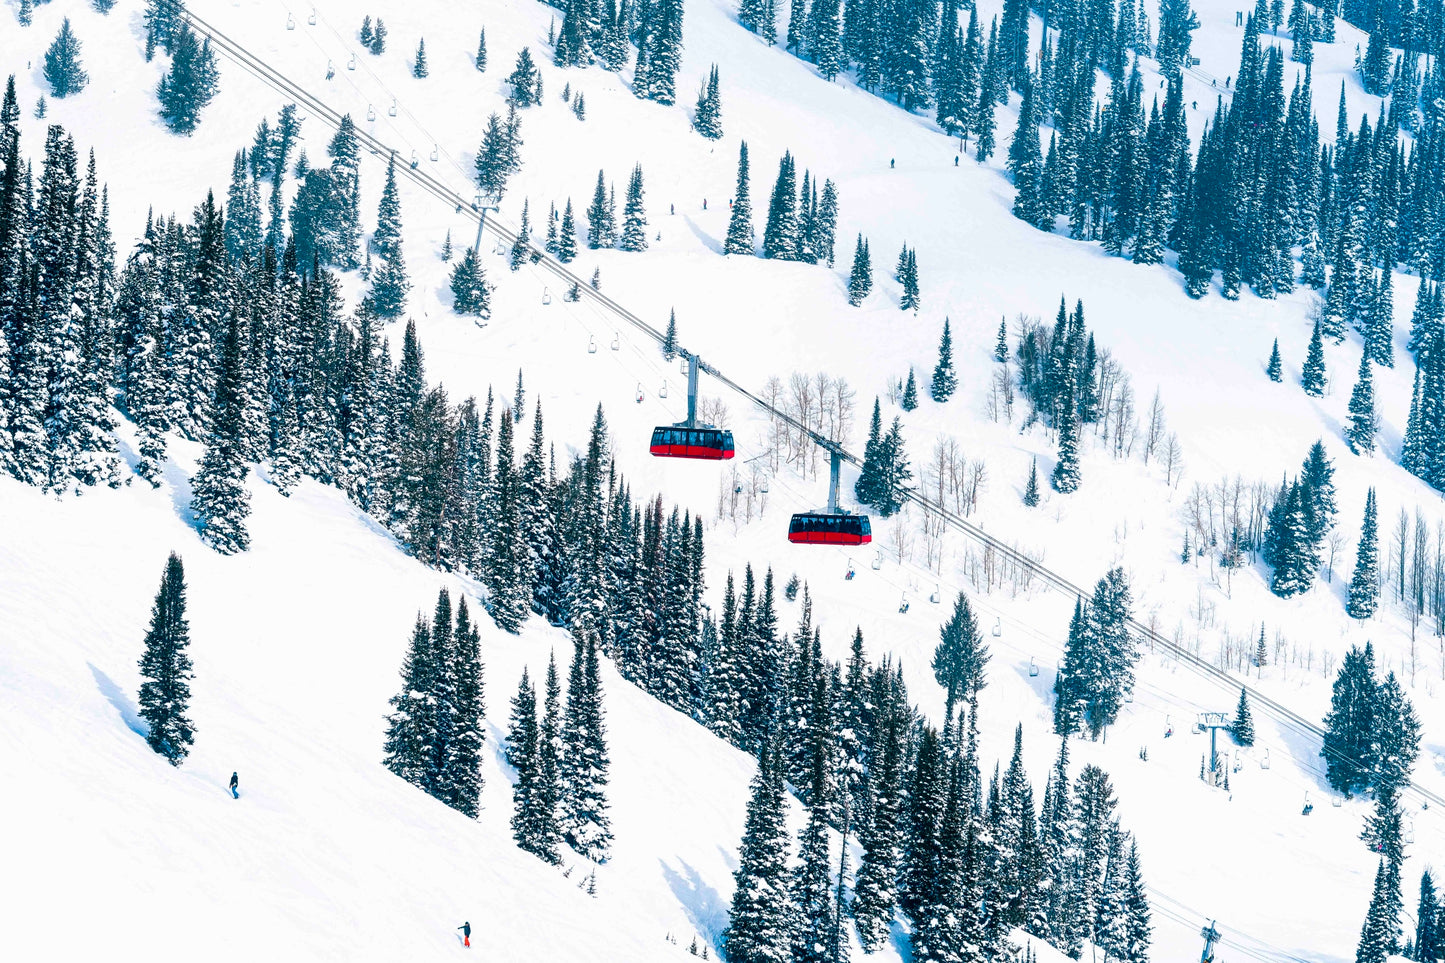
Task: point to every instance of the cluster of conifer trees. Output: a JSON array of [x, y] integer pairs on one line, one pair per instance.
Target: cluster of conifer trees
[[434, 734], [966, 861], [1299, 521], [1372, 738], [561, 761], [1098, 671], [604, 31], [802, 221]]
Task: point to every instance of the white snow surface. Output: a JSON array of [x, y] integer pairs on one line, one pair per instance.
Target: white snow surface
[[297, 643]]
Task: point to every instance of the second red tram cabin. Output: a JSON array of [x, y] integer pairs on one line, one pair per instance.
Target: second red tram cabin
[[822, 528]]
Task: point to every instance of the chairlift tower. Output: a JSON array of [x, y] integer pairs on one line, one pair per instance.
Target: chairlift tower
[[1213, 721], [483, 204], [1211, 936]]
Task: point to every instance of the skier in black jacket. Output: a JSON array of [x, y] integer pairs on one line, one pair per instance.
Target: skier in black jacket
[[235, 781], [466, 929]]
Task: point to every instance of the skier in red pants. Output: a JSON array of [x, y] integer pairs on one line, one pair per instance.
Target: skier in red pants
[[466, 929]]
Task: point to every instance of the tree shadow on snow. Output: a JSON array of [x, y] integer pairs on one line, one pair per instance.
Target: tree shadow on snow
[[712, 243], [178, 483], [703, 904], [129, 713]]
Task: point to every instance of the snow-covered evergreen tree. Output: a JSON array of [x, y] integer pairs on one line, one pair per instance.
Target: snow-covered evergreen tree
[[165, 694], [1364, 597], [1242, 728], [63, 70], [634, 217], [945, 379], [219, 499], [190, 84], [761, 918]]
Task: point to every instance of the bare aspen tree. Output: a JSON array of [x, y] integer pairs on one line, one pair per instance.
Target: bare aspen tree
[[1154, 430]]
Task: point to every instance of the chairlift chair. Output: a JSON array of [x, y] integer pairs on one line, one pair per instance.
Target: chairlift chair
[[936, 596], [290, 22], [435, 153], [1264, 763], [591, 345], [351, 64], [616, 342], [370, 112], [312, 19], [662, 392], [903, 604], [640, 393], [414, 160], [330, 70], [1308, 807], [1337, 800], [764, 486], [849, 576], [1033, 668], [997, 626], [877, 561], [391, 111], [546, 296]]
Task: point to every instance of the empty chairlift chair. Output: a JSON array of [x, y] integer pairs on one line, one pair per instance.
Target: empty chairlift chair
[[688, 439]]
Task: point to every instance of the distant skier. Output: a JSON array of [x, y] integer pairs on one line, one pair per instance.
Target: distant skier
[[466, 929], [955, 160], [890, 163], [235, 781]]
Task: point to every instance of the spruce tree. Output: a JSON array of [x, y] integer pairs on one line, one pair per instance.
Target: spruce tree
[[911, 299], [1275, 368], [1066, 476], [481, 58], [707, 117], [63, 70], [601, 226], [781, 237], [1350, 723], [634, 218], [1364, 596], [584, 820], [960, 657], [418, 66], [521, 242], [165, 694], [740, 221], [669, 338], [1031, 488], [945, 380], [761, 915], [1242, 728], [525, 81], [1360, 433], [1000, 347], [191, 82], [1313, 374], [1380, 922], [533, 822], [389, 284], [866, 488], [410, 730], [567, 236], [378, 38], [470, 292], [860, 279], [508, 568], [219, 499], [875, 889], [910, 392]]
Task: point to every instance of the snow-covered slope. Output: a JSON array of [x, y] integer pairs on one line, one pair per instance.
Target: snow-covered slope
[[299, 641]]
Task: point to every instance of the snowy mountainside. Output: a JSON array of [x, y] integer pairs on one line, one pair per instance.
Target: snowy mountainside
[[1217, 857]]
